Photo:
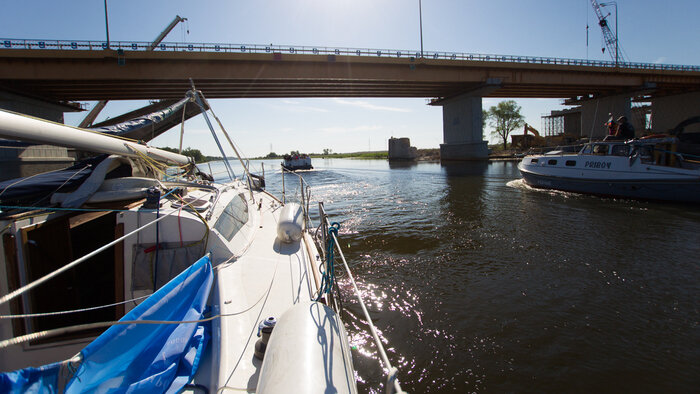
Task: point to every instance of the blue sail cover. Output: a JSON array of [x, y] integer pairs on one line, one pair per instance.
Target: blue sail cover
[[138, 357], [149, 126]]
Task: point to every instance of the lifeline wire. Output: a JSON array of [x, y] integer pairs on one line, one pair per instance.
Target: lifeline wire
[[72, 264], [71, 311], [392, 371], [59, 331]]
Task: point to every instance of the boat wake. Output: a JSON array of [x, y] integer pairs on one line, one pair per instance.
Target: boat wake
[[520, 184]]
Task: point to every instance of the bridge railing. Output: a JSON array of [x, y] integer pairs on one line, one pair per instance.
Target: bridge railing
[[6, 43]]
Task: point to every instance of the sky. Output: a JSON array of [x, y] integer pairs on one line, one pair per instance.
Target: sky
[[650, 31]]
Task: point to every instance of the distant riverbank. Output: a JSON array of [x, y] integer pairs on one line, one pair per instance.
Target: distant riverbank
[[423, 155]]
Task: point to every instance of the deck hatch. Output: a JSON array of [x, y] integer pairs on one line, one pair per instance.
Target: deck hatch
[[235, 215]]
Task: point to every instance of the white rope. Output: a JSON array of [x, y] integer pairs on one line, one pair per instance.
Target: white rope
[[88, 326], [64, 330], [81, 327], [71, 311], [72, 264], [35, 175]]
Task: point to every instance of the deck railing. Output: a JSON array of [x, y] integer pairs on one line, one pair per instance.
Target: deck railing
[[304, 198], [325, 236], [73, 45], [392, 383]]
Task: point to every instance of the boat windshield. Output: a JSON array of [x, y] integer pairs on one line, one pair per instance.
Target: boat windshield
[[603, 149], [620, 150], [596, 149]]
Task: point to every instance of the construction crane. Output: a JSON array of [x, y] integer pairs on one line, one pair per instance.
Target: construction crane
[[165, 32], [101, 104], [611, 40]]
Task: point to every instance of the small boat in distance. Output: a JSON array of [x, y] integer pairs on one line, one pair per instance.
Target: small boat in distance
[[658, 168], [135, 271], [297, 161]]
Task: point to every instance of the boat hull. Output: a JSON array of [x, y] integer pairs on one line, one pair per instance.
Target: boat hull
[[676, 191]]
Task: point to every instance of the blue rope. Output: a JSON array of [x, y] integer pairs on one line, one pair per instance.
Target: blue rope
[[329, 274], [168, 193]]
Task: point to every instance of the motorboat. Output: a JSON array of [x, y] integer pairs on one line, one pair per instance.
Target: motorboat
[[297, 161], [649, 168], [134, 271]]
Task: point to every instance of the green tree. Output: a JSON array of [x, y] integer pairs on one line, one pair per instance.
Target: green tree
[[189, 152], [194, 153], [505, 117]]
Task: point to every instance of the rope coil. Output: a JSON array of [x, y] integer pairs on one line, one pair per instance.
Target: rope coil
[[329, 272]]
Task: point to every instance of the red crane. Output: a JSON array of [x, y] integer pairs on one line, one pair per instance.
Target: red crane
[[611, 40]]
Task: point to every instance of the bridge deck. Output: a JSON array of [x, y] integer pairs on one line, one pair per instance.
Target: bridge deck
[[83, 75]]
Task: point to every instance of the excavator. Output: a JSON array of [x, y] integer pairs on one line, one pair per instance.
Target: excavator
[[535, 140], [526, 140]]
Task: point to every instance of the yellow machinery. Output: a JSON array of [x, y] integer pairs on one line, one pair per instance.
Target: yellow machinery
[[526, 140]]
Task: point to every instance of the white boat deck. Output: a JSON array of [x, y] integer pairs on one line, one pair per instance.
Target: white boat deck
[[266, 280]]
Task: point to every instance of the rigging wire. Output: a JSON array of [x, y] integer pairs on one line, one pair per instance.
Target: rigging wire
[[74, 263], [32, 176], [392, 374], [44, 314]]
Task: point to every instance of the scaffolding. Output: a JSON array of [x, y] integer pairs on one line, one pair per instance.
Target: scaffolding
[[564, 122]]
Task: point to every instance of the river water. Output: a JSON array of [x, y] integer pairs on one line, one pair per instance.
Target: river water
[[478, 283]]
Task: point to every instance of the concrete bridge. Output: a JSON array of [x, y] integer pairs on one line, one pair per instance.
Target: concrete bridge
[[60, 72]]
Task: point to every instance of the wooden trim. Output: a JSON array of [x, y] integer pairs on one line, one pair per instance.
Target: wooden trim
[[77, 220]]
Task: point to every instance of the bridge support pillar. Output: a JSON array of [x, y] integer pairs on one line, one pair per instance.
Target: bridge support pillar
[[667, 112], [34, 107], [462, 130], [595, 113]]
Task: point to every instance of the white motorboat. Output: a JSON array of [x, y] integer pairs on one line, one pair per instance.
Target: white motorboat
[[648, 169], [201, 286]]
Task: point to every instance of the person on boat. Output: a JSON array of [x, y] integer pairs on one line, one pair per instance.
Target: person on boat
[[625, 130], [612, 126]]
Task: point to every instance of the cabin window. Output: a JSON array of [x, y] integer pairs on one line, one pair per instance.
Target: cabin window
[[571, 163], [552, 162], [533, 161], [621, 150], [600, 149], [644, 151], [235, 215], [97, 281]]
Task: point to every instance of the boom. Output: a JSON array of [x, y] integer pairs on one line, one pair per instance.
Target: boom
[[611, 41], [165, 32]]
